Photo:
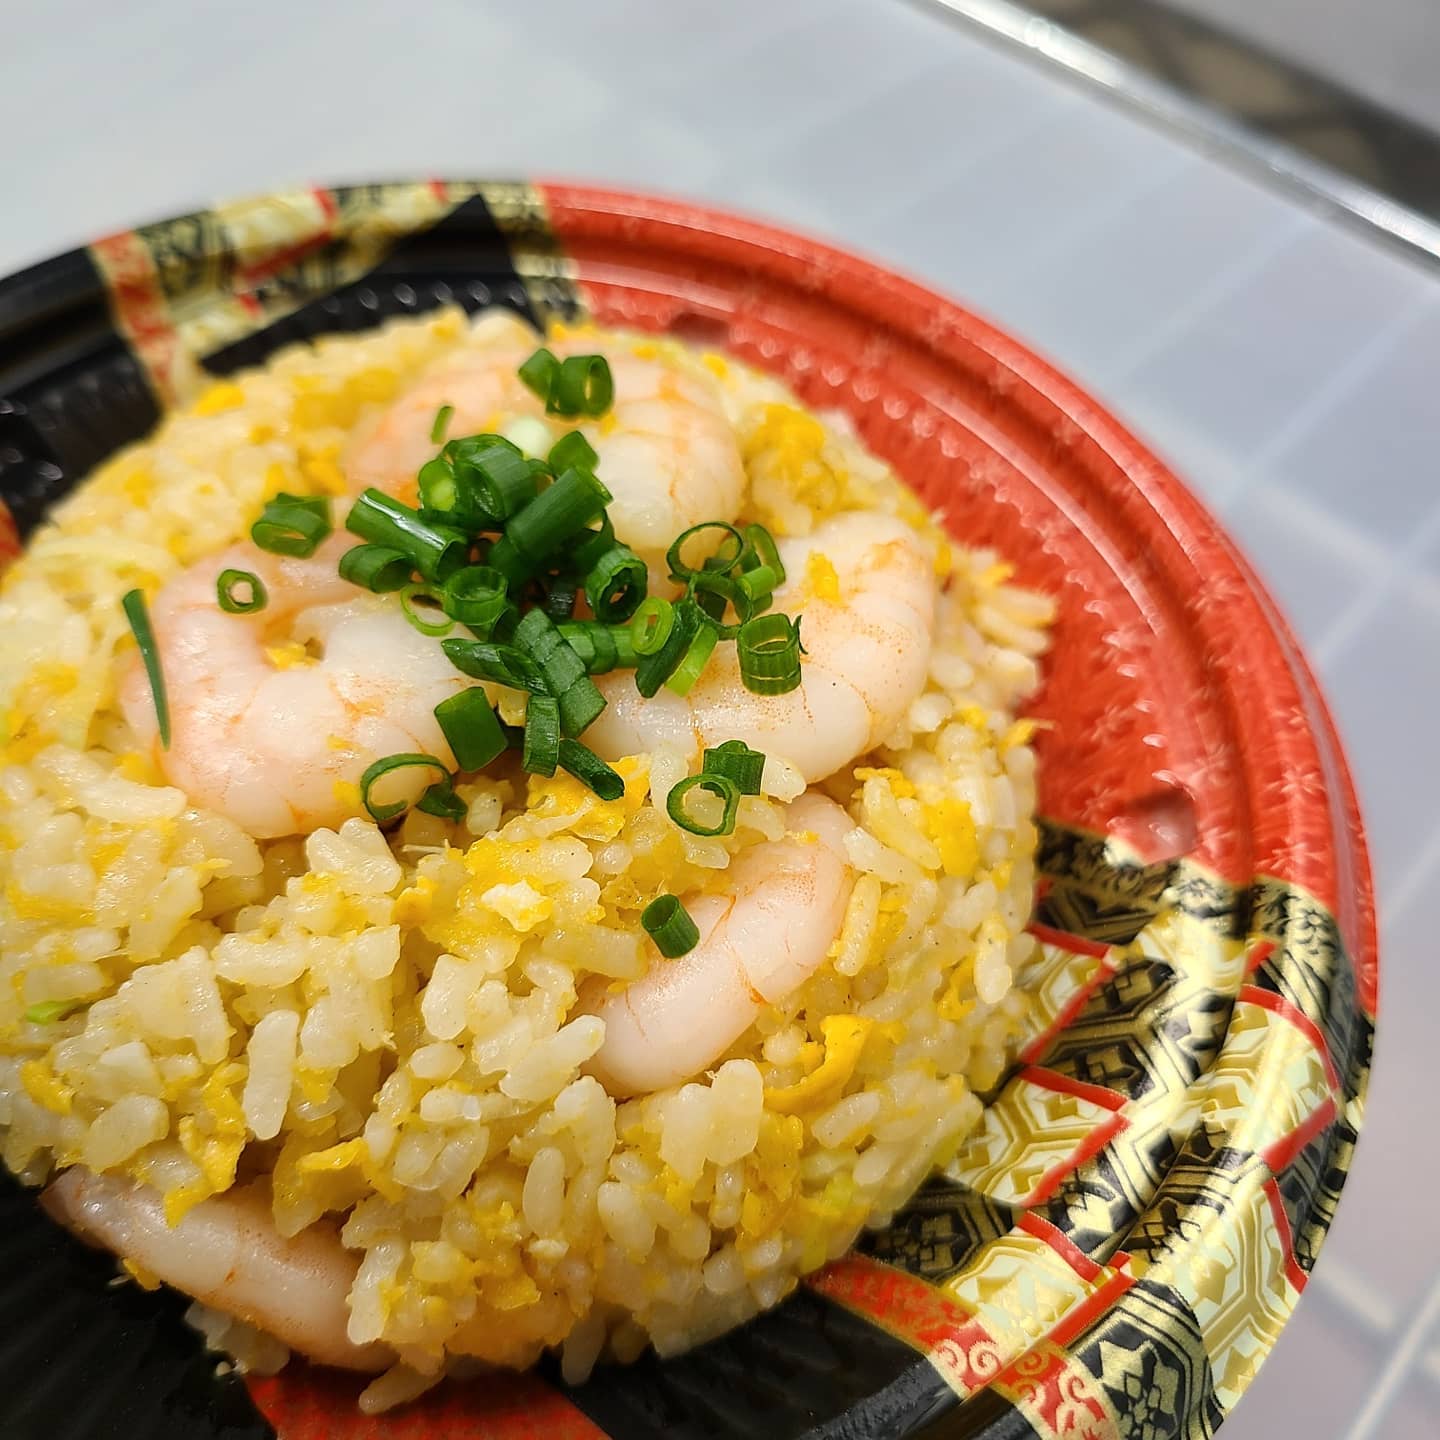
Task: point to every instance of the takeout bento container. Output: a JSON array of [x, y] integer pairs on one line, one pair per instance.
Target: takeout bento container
[[1117, 1249]]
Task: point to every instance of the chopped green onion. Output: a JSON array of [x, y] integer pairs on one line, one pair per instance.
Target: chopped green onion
[[475, 596], [514, 567], [720, 786], [435, 601], [738, 763], [440, 799], [439, 490], [292, 525], [654, 669], [541, 751], [584, 386], [760, 551], [728, 550], [471, 728], [602, 647], [564, 671], [572, 450], [667, 922], [651, 624], [229, 602], [139, 617], [557, 514], [687, 672], [540, 373], [381, 813], [499, 480], [596, 543], [758, 584], [559, 601], [434, 550], [588, 768], [376, 568], [580, 706], [503, 664], [615, 584], [49, 1011], [769, 652], [443, 416], [529, 435], [560, 666]]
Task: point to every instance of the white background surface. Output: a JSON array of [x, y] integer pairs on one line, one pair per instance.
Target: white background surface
[[1288, 368]]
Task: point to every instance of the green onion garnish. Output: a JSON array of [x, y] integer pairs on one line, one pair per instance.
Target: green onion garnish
[[719, 785], [581, 385], [434, 624], [495, 474], [584, 386], [596, 543], [570, 450], [139, 617], [615, 584], [376, 568], [475, 596], [381, 813], [440, 799], [563, 670], [292, 525], [769, 651], [540, 373], [538, 637], [738, 763], [434, 550], [471, 728], [651, 624], [230, 602], [761, 551], [541, 751], [557, 514], [588, 768], [654, 669], [728, 549], [667, 922], [559, 602], [687, 672], [503, 664], [602, 647], [49, 1011], [442, 423]]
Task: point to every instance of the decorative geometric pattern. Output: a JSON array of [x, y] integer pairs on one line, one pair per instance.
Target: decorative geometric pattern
[[1114, 1252]]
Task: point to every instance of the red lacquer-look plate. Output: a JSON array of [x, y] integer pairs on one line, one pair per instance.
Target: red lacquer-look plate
[[1120, 1245]]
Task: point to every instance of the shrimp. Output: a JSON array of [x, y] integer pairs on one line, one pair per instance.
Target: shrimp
[[667, 451], [227, 1253], [758, 944], [260, 732], [868, 652]]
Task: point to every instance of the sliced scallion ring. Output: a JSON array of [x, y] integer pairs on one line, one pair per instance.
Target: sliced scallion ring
[[292, 525], [769, 648], [381, 813], [231, 603], [471, 728], [720, 786], [738, 763], [728, 548], [667, 922], [435, 624], [376, 568]]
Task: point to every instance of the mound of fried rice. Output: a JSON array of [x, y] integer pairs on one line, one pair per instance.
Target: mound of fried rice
[[381, 1023]]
